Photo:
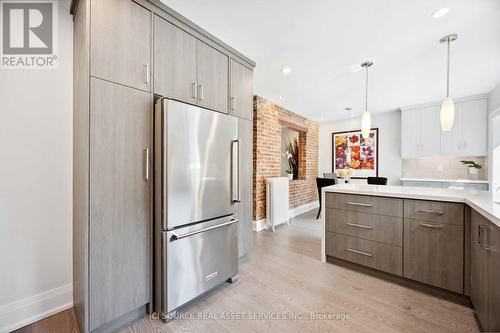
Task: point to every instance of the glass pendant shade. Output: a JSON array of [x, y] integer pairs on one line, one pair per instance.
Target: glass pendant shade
[[447, 114], [366, 124]]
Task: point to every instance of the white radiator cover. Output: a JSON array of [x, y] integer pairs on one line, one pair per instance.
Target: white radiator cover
[[277, 201]]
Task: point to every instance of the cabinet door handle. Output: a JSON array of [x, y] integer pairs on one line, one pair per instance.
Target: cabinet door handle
[[360, 252], [435, 212], [359, 204], [200, 93], [193, 91], [233, 103], [359, 225], [146, 164], [482, 231], [146, 73], [427, 225]]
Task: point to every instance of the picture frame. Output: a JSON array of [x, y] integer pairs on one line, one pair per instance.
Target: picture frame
[[364, 153]]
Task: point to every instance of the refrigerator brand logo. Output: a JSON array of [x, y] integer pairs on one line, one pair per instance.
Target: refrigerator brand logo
[[29, 31]]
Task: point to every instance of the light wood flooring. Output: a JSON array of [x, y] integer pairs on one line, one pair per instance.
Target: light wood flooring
[[284, 276]]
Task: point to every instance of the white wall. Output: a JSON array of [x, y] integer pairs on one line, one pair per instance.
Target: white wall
[[36, 187], [494, 99], [389, 157]]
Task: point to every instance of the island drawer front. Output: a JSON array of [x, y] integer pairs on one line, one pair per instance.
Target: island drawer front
[[433, 254], [380, 228], [387, 258], [434, 211], [365, 204]]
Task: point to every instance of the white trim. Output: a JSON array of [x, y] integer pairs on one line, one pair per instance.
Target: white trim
[[25, 311], [438, 103], [259, 225], [262, 225], [491, 117], [304, 208]]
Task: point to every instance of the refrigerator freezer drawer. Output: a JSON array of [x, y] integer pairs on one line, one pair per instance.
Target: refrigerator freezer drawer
[[198, 258]]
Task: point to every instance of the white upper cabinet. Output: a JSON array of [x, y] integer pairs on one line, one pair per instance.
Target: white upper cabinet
[[469, 135], [430, 131], [451, 141], [474, 128], [410, 133], [421, 134]]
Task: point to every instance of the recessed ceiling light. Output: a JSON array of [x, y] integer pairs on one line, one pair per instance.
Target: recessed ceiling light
[[440, 12], [349, 109], [286, 70]]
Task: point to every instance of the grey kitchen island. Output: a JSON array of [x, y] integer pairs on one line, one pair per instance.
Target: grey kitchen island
[[444, 238]]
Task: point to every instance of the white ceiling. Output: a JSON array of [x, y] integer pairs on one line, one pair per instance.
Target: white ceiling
[[320, 40]]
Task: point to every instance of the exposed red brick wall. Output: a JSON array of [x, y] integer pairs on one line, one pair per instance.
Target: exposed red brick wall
[[267, 154]]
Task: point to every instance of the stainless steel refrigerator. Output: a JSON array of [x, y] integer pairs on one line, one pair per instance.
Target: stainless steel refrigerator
[[196, 157]]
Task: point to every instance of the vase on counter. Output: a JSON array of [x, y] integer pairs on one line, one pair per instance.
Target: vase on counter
[[290, 176], [473, 173]]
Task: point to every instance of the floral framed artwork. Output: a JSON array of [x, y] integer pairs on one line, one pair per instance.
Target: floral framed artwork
[[364, 153]]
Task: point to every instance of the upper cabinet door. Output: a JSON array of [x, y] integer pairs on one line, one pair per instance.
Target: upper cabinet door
[[451, 141], [474, 128], [213, 78], [174, 62], [121, 42], [241, 91], [410, 133], [430, 132]]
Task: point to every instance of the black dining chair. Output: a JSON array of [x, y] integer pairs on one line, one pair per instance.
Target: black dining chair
[[320, 183], [377, 180]]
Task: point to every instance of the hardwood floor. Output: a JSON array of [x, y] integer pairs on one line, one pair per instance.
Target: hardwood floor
[[284, 276]]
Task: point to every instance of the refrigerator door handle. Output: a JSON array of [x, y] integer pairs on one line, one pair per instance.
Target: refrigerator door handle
[[235, 170], [192, 233], [162, 159]]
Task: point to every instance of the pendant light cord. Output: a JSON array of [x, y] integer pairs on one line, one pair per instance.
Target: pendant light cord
[[366, 91], [448, 71]]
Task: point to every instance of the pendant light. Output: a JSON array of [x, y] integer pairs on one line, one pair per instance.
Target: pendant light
[[348, 152], [366, 118], [447, 116]]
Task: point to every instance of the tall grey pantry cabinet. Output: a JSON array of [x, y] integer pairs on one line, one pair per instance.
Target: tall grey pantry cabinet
[[125, 53]]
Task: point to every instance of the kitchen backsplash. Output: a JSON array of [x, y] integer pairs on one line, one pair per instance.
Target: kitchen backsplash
[[443, 167]]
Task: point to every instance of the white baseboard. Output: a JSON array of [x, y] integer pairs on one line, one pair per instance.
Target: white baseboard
[[30, 309], [261, 224], [304, 208]]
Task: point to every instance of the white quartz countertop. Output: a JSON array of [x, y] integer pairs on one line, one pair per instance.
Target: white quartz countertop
[[481, 201], [465, 181]]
